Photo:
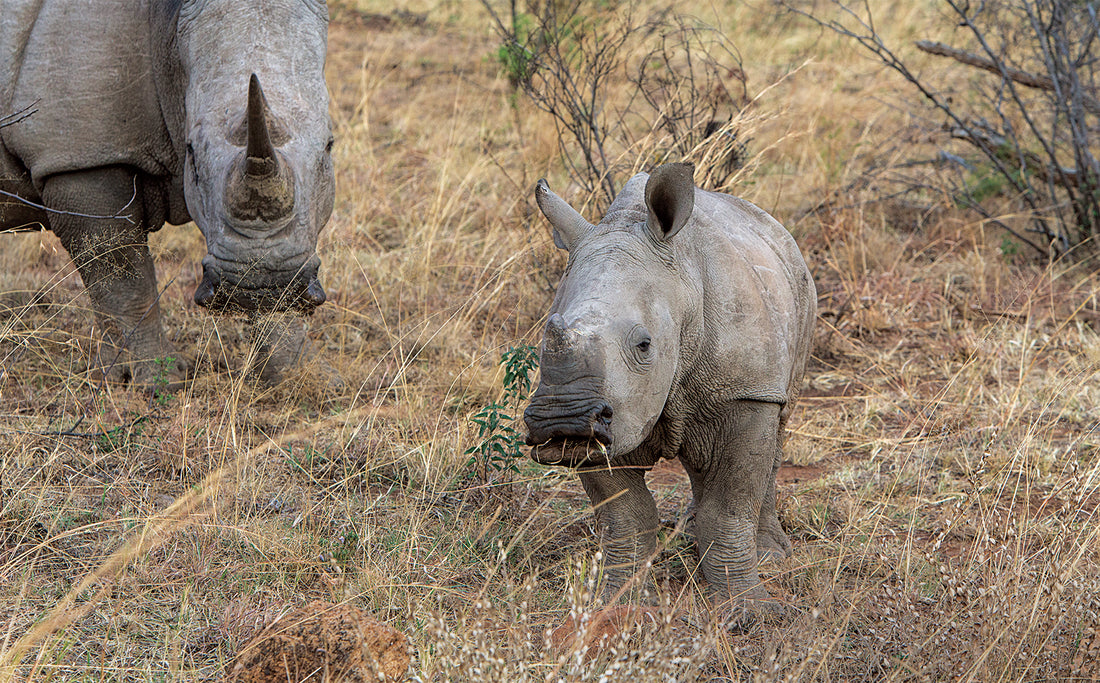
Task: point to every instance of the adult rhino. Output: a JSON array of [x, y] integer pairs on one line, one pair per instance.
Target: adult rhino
[[680, 329], [145, 112]]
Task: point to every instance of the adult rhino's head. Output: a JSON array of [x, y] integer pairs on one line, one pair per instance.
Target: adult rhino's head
[[258, 178], [612, 342]]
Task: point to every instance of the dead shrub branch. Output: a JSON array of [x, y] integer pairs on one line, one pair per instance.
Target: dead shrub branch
[[1033, 147], [685, 77], [1022, 77]]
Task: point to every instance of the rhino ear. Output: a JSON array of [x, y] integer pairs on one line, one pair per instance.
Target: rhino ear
[[568, 224], [669, 198]]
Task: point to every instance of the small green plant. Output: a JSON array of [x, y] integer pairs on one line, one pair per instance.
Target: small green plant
[[516, 60], [987, 186], [161, 395], [309, 459], [343, 549], [499, 443], [120, 437]]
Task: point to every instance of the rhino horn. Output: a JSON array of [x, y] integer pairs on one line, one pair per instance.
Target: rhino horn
[[567, 222], [557, 336], [260, 158], [568, 356], [260, 187], [669, 199], [559, 353]]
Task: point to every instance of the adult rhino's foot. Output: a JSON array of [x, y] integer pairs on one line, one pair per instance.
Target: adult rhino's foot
[[765, 553], [159, 369], [282, 351]]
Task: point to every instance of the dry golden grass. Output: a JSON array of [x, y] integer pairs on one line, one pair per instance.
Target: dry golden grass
[[943, 472]]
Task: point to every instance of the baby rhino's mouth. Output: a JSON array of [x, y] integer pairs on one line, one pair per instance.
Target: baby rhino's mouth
[[570, 452], [568, 424]]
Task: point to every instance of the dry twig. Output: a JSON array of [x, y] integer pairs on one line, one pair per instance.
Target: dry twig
[[1022, 77]]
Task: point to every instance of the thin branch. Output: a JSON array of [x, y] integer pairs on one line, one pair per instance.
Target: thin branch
[[976, 206], [21, 115], [994, 144], [59, 212], [1022, 77], [97, 435]]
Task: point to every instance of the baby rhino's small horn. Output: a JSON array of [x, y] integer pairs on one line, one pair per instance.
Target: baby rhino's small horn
[[567, 222], [557, 338]]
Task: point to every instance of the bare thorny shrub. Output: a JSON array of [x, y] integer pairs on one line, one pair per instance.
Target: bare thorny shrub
[[692, 81], [1026, 116], [688, 88]]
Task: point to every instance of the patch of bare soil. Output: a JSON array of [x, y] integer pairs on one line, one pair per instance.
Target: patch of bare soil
[[670, 473], [798, 474]]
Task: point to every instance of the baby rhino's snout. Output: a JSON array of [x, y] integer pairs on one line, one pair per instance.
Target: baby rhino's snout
[[554, 418], [569, 419]]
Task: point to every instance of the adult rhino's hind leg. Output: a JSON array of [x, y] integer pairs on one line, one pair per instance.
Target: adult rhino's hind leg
[[111, 253], [627, 517]]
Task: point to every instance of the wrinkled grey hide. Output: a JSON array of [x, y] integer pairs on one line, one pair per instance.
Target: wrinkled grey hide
[[150, 112], [680, 329]]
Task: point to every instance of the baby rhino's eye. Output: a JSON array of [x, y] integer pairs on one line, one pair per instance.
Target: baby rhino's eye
[[640, 341]]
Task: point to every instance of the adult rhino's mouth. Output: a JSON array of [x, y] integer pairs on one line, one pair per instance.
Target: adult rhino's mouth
[[225, 293]]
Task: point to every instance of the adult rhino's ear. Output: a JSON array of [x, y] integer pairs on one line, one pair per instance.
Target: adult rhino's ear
[[669, 198], [568, 224]]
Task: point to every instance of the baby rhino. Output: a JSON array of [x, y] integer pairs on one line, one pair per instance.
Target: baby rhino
[[680, 329]]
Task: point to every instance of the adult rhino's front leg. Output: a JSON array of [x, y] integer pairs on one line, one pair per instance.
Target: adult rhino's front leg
[[732, 469], [627, 517], [111, 252], [281, 348]]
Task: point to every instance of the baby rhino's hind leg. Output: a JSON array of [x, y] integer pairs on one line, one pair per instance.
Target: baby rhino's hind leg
[[771, 541]]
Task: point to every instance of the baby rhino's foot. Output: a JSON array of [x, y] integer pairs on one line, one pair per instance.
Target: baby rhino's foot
[[740, 614]]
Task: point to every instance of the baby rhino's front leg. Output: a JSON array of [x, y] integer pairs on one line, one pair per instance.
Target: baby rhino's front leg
[[732, 470], [627, 517]]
